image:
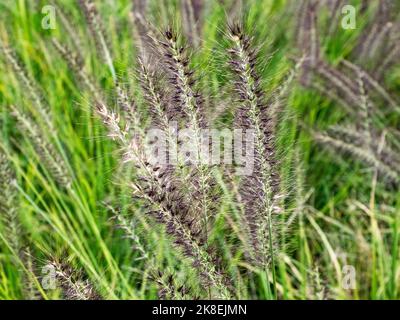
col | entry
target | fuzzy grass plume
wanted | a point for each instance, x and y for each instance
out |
(260, 190)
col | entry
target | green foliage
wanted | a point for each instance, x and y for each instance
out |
(72, 196)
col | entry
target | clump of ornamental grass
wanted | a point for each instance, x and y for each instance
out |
(153, 185)
(181, 195)
(155, 188)
(156, 184)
